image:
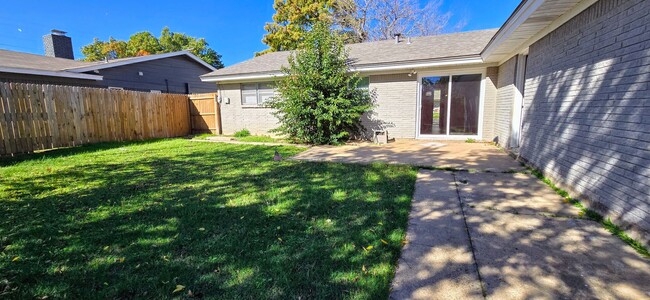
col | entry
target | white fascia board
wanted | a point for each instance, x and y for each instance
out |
(409, 66)
(64, 74)
(241, 77)
(360, 69)
(515, 20)
(140, 59)
(523, 48)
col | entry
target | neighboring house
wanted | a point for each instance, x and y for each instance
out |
(175, 72)
(565, 84)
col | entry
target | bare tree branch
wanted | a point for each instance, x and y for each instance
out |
(373, 20)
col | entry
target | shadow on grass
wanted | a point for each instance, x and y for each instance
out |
(134, 220)
(70, 151)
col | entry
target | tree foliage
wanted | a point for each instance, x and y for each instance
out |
(145, 43)
(318, 101)
(292, 20)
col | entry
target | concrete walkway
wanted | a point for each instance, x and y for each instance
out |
(509, 236)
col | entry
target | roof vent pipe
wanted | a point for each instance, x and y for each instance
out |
(397, 35)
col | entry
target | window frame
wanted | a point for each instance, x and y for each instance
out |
(364, 83)
(263, 91)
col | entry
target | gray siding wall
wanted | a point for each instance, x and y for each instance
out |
(395, 97)
(505, 98)
(178, 70)
(587, 109)
(235, 116)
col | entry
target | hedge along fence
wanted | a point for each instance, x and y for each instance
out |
(37, 117)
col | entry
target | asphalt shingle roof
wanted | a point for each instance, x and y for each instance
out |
(423, 48)
(13, 59)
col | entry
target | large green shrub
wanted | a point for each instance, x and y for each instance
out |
(318, 101)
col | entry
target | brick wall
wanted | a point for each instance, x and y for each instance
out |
(235, 117)
(396, 104)
(505, 98)
(587, 109)
(489, 103)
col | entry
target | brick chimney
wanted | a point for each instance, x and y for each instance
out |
(57, 44)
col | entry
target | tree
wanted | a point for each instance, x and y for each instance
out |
(355, 20)
(145, 43)
(100, 50)
(142, 43)
(292, 20)
(318, 100)
(372, 20)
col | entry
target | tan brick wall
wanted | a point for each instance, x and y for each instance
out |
(396, 104)
(235, 117)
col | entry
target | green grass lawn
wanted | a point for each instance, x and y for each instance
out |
(250, 138)
(258, 139)
(139, 220)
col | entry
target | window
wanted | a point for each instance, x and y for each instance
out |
(256, 93)
(449, 105)
(364, 83)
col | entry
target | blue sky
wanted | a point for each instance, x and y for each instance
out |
(233, 28)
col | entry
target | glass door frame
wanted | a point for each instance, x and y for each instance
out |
(448, 73)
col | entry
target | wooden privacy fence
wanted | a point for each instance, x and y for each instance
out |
(37, 117)
(205, 113)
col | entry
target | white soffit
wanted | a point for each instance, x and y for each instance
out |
(532, 20)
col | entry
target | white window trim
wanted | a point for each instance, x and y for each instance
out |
(451, 72)
(258, 98)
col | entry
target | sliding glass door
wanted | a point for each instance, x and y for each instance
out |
(449, 105)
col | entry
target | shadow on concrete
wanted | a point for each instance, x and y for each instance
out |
(526, 243)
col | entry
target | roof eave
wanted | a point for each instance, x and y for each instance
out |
(392, 66)
(494, 50)
(518, 17)
(63, 74)
(140, 59)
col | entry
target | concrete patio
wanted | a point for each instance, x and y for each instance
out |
(421, 153)
(493, 233)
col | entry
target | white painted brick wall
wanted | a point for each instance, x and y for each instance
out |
(505, 98)
(587, 109)
(395, 96)
(396, 103)
(235, 117)
(490, 110)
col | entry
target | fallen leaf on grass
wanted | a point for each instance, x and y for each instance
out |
(385, 242)
(16, 258)
(178, 288)
(367, 248)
